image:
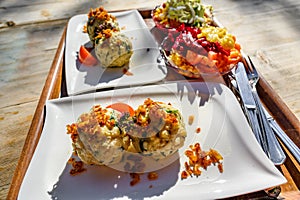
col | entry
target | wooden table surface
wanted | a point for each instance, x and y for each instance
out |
(269, 31)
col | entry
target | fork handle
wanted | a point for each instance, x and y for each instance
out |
(276, 153)
(294, 149)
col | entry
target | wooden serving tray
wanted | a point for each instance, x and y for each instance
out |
(55, 87)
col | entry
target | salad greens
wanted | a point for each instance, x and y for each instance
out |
(187, 11)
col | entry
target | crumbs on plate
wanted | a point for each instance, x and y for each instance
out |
(197, 159)
(198, 130)
(191, 119)
(136, 178)
(77, 167)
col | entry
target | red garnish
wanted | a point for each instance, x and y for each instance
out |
(85, 57)
(122, 107)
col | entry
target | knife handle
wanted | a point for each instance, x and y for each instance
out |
(276, 153)
(253, 120)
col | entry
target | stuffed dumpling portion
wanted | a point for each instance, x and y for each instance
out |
(114, 50)
(106, 136)
(99, 140)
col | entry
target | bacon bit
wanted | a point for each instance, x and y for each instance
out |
(84, 30)
(152, 176)
(184, 175)
(101, 14)
(135, 179)
(198, 130)
(200, 159)
(148, 102)
(107, 33)
(171, 118)
(99, 36)
(75, 153)
(101, 117)
(150, 186)
(77, 167)
(196, 171)
(72, 129)
(188, 169)
(220, 167)
(191, 119)
(71, 160)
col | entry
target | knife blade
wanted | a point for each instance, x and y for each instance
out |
(249, 104)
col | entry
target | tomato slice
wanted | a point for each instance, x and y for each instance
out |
(86, 58)
(122, 107)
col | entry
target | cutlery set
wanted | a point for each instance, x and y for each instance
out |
(264, 127)
(243, 81)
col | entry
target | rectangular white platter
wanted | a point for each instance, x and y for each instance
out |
(143, 66)
(223, 128)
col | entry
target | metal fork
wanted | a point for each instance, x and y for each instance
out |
(294, 149)
(276, 154)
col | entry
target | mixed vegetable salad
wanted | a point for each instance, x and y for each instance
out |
(193, 44)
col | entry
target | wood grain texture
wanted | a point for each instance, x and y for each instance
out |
(50, 10)
(23, 73)
(267, 30)
(51, 90)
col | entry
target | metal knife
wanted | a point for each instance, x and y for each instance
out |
(249, 104)
(293, 148)
(276, 153)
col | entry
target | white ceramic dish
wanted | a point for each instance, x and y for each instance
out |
(143, 66)
(216, 112)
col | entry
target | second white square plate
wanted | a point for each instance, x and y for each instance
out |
(144, 67)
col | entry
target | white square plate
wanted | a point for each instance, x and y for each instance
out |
(143, 67)
(223, 128)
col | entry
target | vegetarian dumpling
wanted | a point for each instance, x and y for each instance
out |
(99, 140)
(104, 136)
(112, 48)
(114, 51)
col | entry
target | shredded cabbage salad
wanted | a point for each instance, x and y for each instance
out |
(187, 11)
